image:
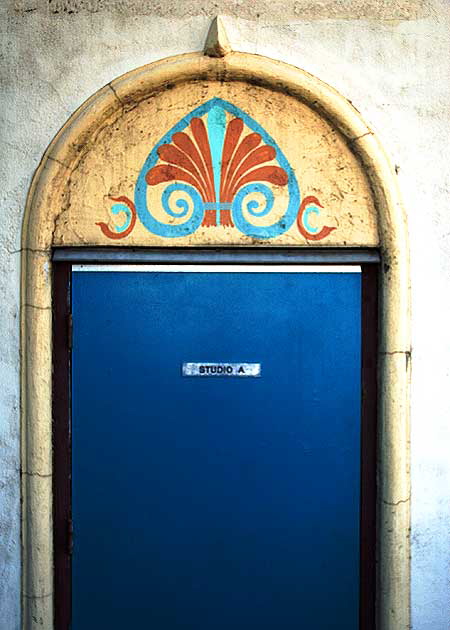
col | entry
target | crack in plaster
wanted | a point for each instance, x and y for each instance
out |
(27, 249)
(368, 133)
(39, 308)
(76, 163)
(45, 596)
(396, 503)
(407, 352)
(36, 474)
(50, 157)
(122, 104)
(64, 208)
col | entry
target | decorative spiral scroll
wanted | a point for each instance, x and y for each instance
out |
(170, 202)
(258, 209)
(183, 204)
(253, 206)
(118, 209)
(310, 205)
(126, 207)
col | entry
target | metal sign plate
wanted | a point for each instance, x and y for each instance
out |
(222, 369)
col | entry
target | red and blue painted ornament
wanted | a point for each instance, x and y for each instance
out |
(213, 165)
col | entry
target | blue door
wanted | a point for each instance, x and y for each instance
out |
(216, 502)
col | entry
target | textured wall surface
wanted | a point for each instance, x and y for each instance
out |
(391, 59)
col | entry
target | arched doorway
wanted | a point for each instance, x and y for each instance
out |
(335, 191)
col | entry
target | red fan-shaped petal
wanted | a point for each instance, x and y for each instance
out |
(232, 135)
(272, 174)
(168, 173)
(249, 143)
(173, 155)
(201, 138)
(184, 142)
(260, 155)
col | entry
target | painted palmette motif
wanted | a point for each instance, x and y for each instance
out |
(216, 167)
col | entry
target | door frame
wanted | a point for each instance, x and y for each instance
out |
(46, 224)
(65, 258)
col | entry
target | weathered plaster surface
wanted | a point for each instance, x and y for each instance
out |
(392, 60)
(272, 10)
(109, 165)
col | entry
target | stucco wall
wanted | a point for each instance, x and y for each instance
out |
(391, 59)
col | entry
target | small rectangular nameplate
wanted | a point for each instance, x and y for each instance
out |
(221, 369)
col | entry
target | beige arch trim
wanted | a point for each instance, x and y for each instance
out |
(47, 197)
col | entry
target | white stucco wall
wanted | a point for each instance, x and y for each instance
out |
(391, 59)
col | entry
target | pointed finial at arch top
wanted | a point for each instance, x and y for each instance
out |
(217, 43)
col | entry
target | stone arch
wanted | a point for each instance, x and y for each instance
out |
(47, 223)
